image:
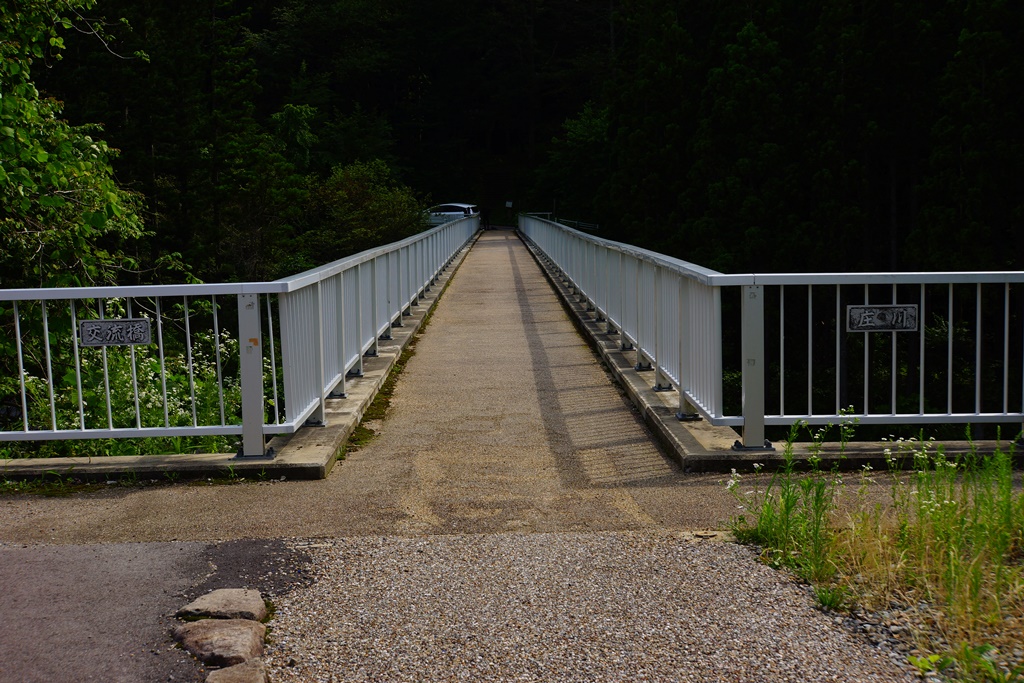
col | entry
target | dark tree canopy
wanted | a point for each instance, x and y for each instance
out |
(770, 136)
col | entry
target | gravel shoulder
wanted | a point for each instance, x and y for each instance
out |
(603, 606)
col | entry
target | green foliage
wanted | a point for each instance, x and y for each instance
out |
(792, 515)
(63, 218)
(951, 537)
(123, 387)
(974, 663)
(578, 164)
(831, 597)
(357, 207)
(928, 663)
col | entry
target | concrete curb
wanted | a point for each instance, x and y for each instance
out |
(701, 447)
(309, 453)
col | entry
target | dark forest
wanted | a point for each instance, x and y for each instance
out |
(253, 140)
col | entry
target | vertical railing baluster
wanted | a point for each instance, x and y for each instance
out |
(782, 349)
(867, 352)
(273, 358)
(163, 369)
(49, 371)
(341, 390)
(21, 365)
(977, 351)
(1006, 347)
(135, 371)
(357, 369)
(840, 329)
(810, 349)
(892, 371)
(374, 320)
(106, 373)
(949, 354)
(216, 355)
(78, 367)
(188, 359)
(922, 328)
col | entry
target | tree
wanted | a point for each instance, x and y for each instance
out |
(63, 217)
(359, 206)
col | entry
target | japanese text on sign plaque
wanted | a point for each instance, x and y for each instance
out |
(115, 332)
(892, 318)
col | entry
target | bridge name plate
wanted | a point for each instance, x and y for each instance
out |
(115, 332)
(891, 318)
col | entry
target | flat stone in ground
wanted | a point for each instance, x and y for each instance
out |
(222, 642)
(247, 672)
(227, 603)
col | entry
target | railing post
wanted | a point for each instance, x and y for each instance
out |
(661, 381)
(374, 319)
(752, 342)
(684, 335)
(251, 366)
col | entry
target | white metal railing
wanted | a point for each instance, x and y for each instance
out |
(795, 358)
(200, 375)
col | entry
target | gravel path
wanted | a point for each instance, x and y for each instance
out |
(637, 606)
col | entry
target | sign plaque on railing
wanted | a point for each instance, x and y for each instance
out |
(888, 318)
(115, 332)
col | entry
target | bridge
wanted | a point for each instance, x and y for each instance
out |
(270, 364)
(513, 519)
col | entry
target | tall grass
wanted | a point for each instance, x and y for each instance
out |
(950, 536)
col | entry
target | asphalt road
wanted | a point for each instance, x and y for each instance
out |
(103, 612)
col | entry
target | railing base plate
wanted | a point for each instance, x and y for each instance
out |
(267, 455)
(738, 446)
(689, 417)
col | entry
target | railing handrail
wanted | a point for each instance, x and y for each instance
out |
(715, 278)
(283, 285)
(308, 277)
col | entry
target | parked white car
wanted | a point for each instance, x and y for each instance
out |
(446, 213)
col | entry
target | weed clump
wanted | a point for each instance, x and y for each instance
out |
(948, 544)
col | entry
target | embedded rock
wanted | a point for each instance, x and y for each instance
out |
(249, 672)
(227, 603)
(222, 642)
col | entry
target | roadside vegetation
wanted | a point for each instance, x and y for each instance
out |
(945, 552)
